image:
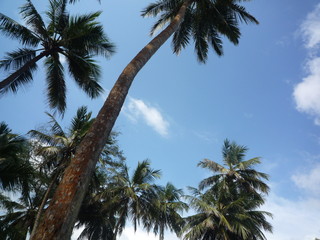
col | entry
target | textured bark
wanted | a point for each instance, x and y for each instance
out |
(44, 200)
(60, 216)
(9, 80)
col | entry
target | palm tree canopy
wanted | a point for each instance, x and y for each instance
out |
(165, 214)
(133, 195)
(235, 169)
(218, 219)
(229, 206)
(205, 21)
(15, 168)
(76, 38)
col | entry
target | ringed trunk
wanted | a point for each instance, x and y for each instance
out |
(60, 216)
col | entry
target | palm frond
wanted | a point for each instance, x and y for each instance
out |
(56, 129)
(56, 83)
(16, 59)
(58, 16)
(181, 37)
(14, 30)
(243, 15)
(42, 137)
(33, 19)
(22, 79)
(82, 121)
(86, 73)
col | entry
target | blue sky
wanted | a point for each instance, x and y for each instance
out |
(263, 93)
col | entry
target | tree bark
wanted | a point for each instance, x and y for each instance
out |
(60, 216)
(43, 202)
(9, 80)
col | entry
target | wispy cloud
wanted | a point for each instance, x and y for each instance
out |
(137, 109)
(310, 29)
(293, 220)
(297, 218)
(307, 93)
(309, 181)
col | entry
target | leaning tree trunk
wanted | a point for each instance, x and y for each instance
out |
(4, 84)
(59, 218)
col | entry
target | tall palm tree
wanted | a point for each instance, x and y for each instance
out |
(203, 20)
(57, 146)
(235, 170)
(166, 211)
(219, 219)
(134, 195)
(229, 207)
(52, 148)
(77, 39)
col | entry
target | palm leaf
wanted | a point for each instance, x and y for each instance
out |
(56, 128)
(56, 83)
(86, 73)
(58, 17)
(21, 80)
(16, 59)
(33, 19)
(15, 30)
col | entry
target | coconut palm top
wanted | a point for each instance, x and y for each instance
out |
(205, 21)
(77, 38)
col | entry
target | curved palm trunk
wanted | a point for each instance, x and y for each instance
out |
(9, 80)
(60, 216)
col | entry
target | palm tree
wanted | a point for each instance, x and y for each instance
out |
(219, 219)
(77, 39)
(203, 20)
(18, 220)
(15, 168)
(98, 212)
(228, 209)
(235, 170)
(57, 146)
(133, 195)
(166, 209)
(52, 148)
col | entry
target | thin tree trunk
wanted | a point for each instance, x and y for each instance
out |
(60, 216)
(43, 202)
(9, 80)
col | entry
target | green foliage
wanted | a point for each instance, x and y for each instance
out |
(205, 21)
(229, 206)
(78, 39)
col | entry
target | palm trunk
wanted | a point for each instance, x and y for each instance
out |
(43, 202)
(60, 216)
(9, 80)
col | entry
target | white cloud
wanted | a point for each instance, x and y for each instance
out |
(293, 220)
(307, 93)
(137, 109)
(310, 29)
(298, 218)
(309, 181)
